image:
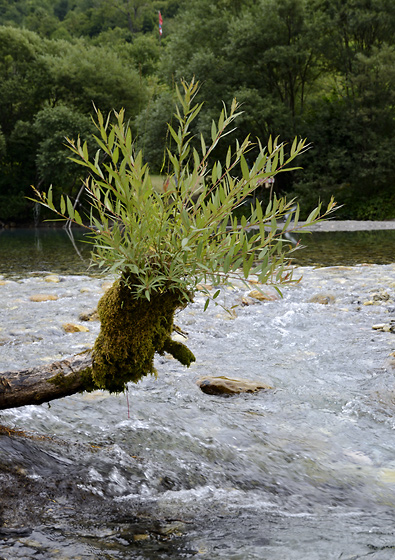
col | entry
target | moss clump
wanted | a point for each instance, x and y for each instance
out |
(67, 382)
(179, 351)
(132, 330)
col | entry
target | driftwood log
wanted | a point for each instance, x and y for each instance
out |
(46, 383)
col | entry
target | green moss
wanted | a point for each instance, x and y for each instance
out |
(132, 330)
(65, 382)
(60, 380)
(179, 351)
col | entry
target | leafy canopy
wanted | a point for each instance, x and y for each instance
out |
(178, 236)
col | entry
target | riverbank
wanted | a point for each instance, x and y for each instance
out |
(328, 225)
(352, 225)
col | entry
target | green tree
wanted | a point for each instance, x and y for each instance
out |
(52, 126)
(83, 74)
(352, 121)
(48, 90)
(132, 11)
(152, 128)
(24, 80)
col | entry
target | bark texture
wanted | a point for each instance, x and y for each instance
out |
(46, 383)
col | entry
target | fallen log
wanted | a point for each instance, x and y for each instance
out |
(45, 383)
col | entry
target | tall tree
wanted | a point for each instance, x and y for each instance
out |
(352, 119)
(47, 91)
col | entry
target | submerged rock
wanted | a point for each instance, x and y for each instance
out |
(43, 297)
(89, 315)
(380, 296)
(385, 327)
(255, 296)
(323, 299)
(226, 386)
(267, 295)
(73, 328)
(52, 278)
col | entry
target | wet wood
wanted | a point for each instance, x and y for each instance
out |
(45, 383)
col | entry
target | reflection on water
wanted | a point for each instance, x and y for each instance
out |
(38, 250)
(346, 248)
(23, 251)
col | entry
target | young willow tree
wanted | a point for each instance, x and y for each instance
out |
(165, 244)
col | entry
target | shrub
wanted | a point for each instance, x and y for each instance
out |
(164, 242)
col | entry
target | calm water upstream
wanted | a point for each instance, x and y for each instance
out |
(304, 471)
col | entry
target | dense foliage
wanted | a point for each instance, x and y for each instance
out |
(321, 69)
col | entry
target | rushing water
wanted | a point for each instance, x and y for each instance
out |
(303, 471)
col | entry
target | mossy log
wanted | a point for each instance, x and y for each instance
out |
(45, 383)
(132, 331)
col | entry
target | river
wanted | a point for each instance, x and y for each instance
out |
(303, 471)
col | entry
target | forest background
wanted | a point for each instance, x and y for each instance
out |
(320, 69)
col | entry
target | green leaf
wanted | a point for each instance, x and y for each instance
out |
(203, 144)
(196, 158)
(49, 198)
(115, 155)
(62, 205)
(312, 216)
(185, 218)
(247, 264)
(199, 250)
(213, 131)
(244, 168)
(214, 175)
(111, 139)
(228, 157)
(226, 265)
(293, 147)
(77, 218)
(70, 209)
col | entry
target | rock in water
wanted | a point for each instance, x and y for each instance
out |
(73, 328)
(226, 386)
(323, 299)
(43, 297)
(264, 296)
(89, 315)
(52, 278)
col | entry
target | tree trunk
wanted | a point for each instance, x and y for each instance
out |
(46, 383)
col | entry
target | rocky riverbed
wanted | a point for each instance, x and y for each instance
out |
(168, 471)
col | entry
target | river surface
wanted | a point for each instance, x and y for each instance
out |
(25, 250)
(303, 471)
